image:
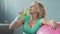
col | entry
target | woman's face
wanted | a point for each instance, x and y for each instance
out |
(33, 9)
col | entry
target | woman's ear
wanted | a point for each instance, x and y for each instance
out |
(40, 15)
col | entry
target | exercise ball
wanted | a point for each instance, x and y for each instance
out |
(46, 29)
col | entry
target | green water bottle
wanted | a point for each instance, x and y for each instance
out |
(24, 13)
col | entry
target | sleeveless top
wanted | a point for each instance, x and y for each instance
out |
(27, 30)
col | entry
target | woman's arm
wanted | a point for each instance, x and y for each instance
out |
(49, 22)
(15, 23)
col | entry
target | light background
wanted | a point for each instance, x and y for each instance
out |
(9, 9)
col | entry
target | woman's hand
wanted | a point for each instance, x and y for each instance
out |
(53, 24)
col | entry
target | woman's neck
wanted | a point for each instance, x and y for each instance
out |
(33, 16)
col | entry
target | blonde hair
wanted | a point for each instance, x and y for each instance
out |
(41, 10)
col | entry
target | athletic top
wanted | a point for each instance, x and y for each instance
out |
(32, 30)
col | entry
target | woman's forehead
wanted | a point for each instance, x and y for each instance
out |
(32, 5)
